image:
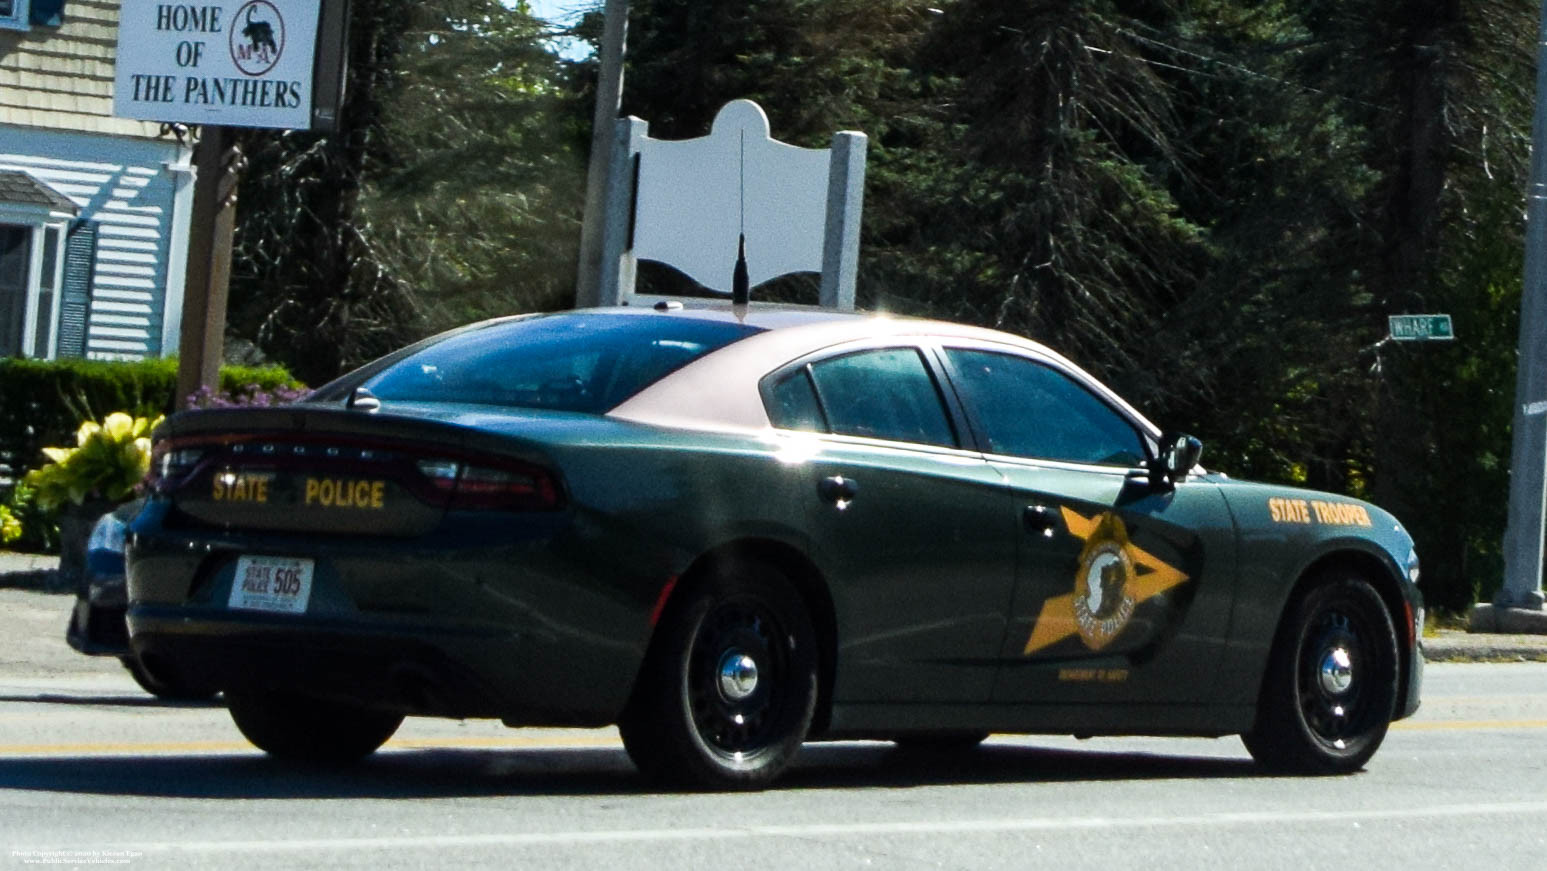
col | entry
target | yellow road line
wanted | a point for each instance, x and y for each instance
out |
(1466, 725)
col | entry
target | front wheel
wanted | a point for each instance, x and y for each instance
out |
(729, 688)
(303, 729)
(1331, 686)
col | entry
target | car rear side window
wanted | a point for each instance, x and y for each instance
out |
(573, 361)
(793, 404)
(1028, 409)
(882, 394)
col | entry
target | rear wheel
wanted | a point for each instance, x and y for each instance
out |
(303, 729)
(729, 687)
(1331, 686)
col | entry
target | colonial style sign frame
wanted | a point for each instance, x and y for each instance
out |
(691, 204)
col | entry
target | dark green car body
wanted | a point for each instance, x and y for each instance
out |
(952, 587)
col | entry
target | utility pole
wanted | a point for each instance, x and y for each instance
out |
(1522, 591)
(609, 102)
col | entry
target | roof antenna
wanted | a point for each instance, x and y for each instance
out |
(741, 292)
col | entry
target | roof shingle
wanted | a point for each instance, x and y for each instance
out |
(20, 188)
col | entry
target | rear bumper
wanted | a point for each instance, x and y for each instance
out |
(97, 621)
(97, 630)
(411, 669)
(487, 617)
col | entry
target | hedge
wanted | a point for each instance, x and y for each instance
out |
(42, 402)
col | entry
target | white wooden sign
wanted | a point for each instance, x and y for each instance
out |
(697, 196)
(687, 203)
(238, 63)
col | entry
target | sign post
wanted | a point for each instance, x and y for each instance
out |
(609, 101)
(1523, 545)
(222, 64)
(201, 341)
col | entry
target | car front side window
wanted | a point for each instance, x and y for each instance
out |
(1029, 409)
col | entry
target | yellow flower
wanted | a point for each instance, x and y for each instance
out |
(110, 460)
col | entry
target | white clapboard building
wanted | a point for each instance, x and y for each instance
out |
(94, 209)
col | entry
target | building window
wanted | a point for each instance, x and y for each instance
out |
(13, 14)
(31, 267)
(15, 270)
(34, 219)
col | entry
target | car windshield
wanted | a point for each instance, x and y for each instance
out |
(568, 361)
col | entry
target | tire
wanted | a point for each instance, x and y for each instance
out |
(302, 729)
(1331, 686)
(728, 690)
(163, 687)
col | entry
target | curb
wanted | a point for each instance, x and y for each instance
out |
(1454, 646)
(31, 571)
(38, 581)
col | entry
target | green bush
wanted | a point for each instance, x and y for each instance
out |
(39, 526)
(42, 402)
(10, 527)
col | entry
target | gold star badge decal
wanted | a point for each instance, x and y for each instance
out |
(1115, 576)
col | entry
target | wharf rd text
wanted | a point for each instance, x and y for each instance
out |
(188, 19)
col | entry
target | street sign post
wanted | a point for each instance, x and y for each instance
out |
(1421, 328)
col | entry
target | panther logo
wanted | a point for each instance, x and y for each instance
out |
(260, 34)
(257, 45)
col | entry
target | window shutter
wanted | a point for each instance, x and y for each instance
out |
(47, 13)
(80, 258)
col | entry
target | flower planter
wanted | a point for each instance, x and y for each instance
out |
(75, 525)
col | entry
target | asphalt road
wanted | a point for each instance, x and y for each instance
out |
(94, 772)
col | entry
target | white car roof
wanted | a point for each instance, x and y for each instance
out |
(720, 390)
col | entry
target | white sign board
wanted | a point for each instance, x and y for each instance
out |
(238, 63)
(697, 195)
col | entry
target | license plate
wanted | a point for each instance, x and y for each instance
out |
(272, 583)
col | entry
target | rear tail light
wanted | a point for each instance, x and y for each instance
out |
(509, 487)
(442, 474)
(171, 463)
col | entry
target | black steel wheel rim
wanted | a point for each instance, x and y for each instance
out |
(738, 719)
(1335, 677)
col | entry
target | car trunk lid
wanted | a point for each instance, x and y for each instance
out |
(327, 470)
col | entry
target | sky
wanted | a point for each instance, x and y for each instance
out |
(560, 11)
(564, 12)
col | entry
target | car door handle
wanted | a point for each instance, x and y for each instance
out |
(838, 490)
(1040, 520)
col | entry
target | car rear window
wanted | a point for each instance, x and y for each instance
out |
(568, 361)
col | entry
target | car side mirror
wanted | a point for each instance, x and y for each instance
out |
(1179, 453)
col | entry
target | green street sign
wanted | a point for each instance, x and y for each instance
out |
(1421, 328)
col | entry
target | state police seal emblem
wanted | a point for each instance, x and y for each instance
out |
(1103, 590)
